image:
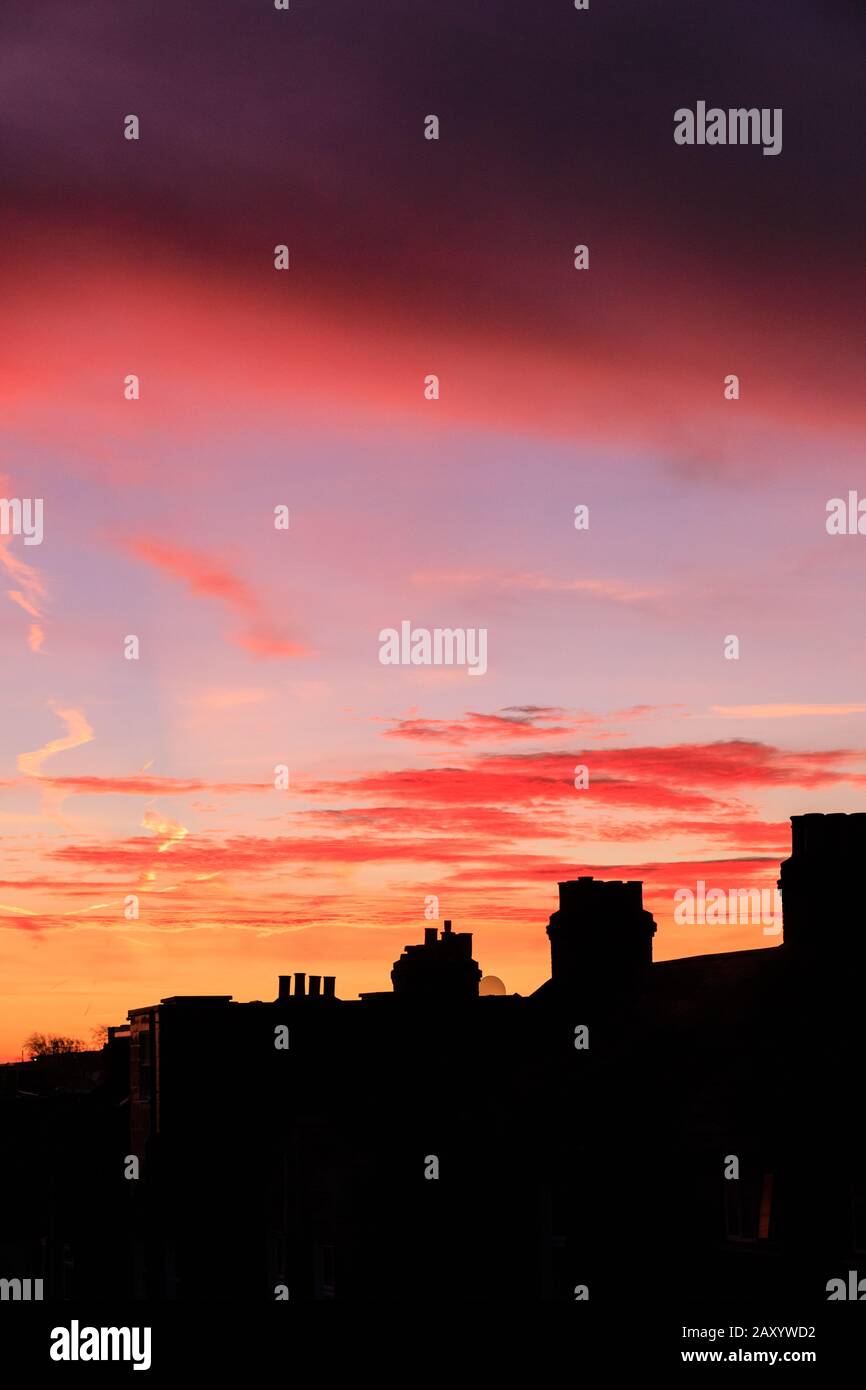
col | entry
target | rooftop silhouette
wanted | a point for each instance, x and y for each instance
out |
(579, 1133)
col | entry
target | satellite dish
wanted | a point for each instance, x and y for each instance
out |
(491, 984)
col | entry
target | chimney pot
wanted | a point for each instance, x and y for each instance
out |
(430, 935)
(285, 988)
(447, 930)
(315, 985)
(328, 982)
(300, 977)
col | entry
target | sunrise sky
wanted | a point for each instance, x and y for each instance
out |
(306, 388)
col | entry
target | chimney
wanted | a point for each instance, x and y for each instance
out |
(820, 886)
(300, 977)
(440, 971)
(285, 988)
(328, 982)
(601, 931)
(315, 986)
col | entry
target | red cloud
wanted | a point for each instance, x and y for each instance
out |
(685, 778)
(521, 780)
(517, 722)
(663, 877)
(249, 853)
(483, 823)
(731, 762)
(150, 786)
(497, 826)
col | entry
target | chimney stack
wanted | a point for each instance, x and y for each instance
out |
(820, 886)
(442, 970)
(601, 931)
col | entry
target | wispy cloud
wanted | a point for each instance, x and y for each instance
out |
(168, 832)
(515, 723)
(30, 593)
(78, 732)
(529, 722)
(612, 590)
(208, 577)
(783, 711)
(142, 785)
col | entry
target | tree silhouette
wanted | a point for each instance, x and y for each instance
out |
(38, 1045)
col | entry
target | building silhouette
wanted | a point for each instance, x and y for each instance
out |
(600, 933)
(580, 1134)
(441, 969)
(820, 889)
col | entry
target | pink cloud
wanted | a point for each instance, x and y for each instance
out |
(612, 590)
(31, 593)
(206, 577)
(782, 711)
(528, 722)
(514, 723)
(150, 786)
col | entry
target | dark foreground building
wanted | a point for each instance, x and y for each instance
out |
(426, 1142)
